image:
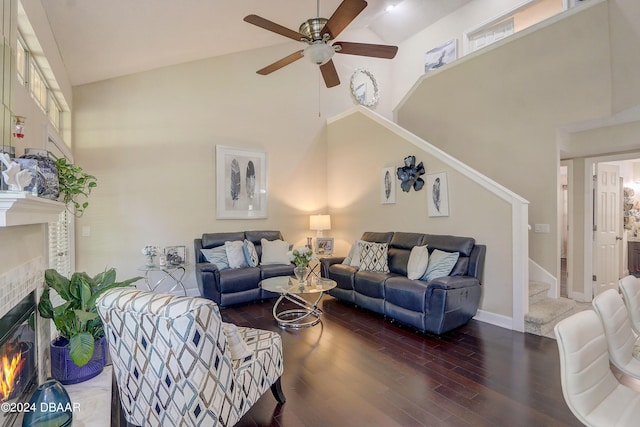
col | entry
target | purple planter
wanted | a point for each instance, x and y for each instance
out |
(64, 370)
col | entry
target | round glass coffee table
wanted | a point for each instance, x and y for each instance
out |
(306, 313)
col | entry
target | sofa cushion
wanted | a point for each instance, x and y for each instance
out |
(235, 254)
(343, 275)
(418, 262)
(217, 256)
(440, 264)
(376, 237)
(250, 253)
(446, 243)
(405, 293)
(370, 283)
(400, 249)
(211, 240)
(275, 270)
(374, 256)
(274, 252)
(239, 279)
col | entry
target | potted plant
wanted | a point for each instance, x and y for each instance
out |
(74, 182)
(73, 358)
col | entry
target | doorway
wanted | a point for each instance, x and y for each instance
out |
(613, 255)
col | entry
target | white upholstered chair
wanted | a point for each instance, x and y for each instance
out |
(630, 288)
(617, 327)
(173, 362)
(590, 389)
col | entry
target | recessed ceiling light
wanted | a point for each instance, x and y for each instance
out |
(390, 8)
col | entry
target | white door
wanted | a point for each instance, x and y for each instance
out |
(608, 216)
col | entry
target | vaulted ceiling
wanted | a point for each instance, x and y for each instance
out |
(101, 39)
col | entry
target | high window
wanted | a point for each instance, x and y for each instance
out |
(30, 75)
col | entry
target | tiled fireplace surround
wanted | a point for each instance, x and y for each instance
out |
(93, 397)
(16, 284)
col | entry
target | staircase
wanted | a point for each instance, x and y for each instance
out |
(545, 312)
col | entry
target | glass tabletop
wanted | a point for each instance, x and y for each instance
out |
(289, 284)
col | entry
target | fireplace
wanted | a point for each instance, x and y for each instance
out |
(18, 359)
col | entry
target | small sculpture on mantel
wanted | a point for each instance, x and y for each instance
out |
(15, 178)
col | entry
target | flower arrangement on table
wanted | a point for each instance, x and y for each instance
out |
(302, 256)
(150, 251)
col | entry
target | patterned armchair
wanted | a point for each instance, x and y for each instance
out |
(173, 362)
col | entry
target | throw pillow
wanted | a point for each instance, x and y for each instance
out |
(250, 253)
(353, 258)
(374, 256)
(239, 349)
(440, 264)
(217, 256)
(418, 262)
(235, 254)
(274, 252)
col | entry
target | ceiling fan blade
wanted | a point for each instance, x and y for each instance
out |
(344, 14)
(329, 74)
(272, 26)
(365, 49)
(281, 63)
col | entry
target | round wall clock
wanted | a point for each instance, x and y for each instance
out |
(364, 87)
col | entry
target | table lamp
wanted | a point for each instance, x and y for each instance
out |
(320, 223)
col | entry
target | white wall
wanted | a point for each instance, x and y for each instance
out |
(359, 148)
(499, 109)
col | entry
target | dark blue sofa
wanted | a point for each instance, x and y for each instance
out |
(437, 306)
(239, 285)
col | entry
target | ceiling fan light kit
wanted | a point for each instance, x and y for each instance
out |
(318, 33)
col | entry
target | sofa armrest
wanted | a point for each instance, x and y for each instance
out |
(453, 282)
(208, 278)
(327, 262)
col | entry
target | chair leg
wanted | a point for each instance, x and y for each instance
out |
(276, 389)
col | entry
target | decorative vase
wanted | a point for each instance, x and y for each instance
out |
(301, 273)
(150, 262)
(51, 406)
(47, 177)
(66, 371)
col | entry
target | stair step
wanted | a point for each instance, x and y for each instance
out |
(537, 292)
(544, 315)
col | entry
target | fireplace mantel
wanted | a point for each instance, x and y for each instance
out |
(24, 209)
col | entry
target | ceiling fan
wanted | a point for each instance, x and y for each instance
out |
(319, 34)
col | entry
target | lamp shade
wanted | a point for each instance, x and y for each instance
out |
(320, 222)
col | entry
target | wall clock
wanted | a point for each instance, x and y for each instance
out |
(364, 87)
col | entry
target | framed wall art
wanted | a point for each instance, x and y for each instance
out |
(441, 55)
(175, 255)
(438, 194)
(324, 246)
(388, 186)
(241, 183)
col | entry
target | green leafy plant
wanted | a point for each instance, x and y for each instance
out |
(74, 183)
(77, 318)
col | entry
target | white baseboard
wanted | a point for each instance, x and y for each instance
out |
(579, 296)
(495, 319)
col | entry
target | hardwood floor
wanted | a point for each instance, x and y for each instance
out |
(358, 369)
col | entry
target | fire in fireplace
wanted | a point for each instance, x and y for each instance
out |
(18, 357)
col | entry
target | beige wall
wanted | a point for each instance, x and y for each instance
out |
(498, 110)
(624, 22)
(359, 148)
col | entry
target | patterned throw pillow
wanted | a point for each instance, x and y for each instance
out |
(217, 256)
(374, 256)
(235, 254)
(239, 349)
(440, 264)
(250, 253)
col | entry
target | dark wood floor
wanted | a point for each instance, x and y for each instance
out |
(358, 369)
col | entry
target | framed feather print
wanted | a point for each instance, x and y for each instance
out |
(438, 194)
(241, 183)
(388, 186)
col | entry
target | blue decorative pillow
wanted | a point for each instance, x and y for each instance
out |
(440, 264)
(250, 253)
(217, 256)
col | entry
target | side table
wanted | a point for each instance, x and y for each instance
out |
(173, 272)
